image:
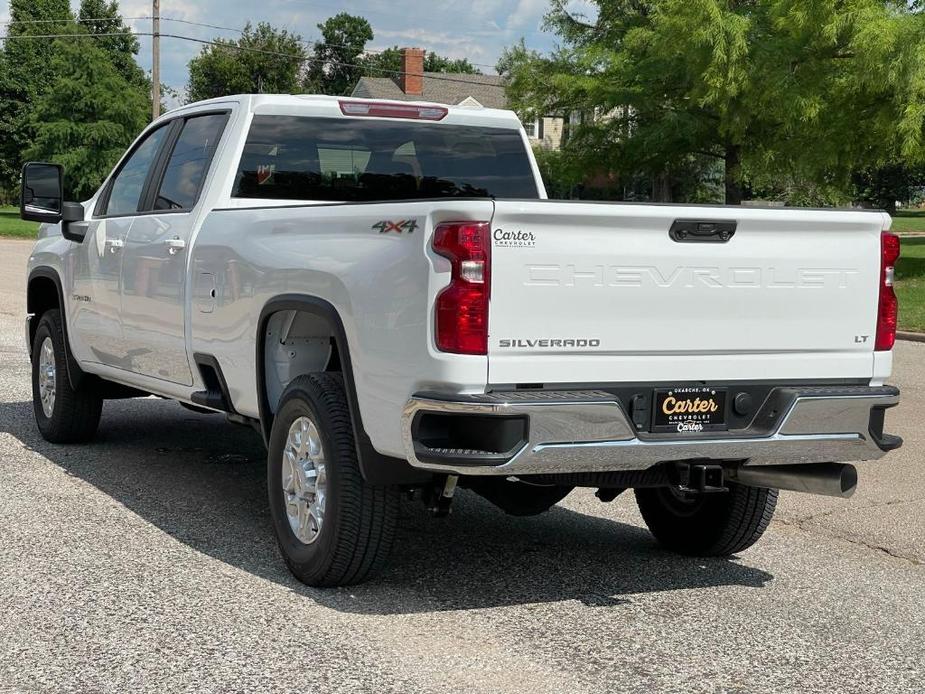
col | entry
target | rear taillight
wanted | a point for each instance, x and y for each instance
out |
(888, 306)
(462, 307)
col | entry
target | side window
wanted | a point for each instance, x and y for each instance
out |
(189, 162)
(126, 188)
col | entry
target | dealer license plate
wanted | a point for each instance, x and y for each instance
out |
(689, 409)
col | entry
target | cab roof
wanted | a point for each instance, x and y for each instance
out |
(325, 106)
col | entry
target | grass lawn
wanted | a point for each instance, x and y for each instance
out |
(910, 284)
(12, 226)
(912, 220)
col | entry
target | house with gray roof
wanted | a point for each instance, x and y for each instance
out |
(413, 84)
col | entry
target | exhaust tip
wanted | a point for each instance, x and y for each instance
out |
(828, 479)
(848, 480)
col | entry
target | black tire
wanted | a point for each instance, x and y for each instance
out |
(359, 519)
(707, 525)
(75, 414)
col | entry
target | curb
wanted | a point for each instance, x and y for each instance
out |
(911, 337)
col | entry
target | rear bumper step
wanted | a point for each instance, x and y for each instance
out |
(554, 432)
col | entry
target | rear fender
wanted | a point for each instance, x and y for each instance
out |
(376, 468)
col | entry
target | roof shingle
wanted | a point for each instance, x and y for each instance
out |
(442, 88)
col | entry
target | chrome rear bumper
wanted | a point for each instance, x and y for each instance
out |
(589, 431)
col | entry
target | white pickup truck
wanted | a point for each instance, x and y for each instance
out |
(383, 291)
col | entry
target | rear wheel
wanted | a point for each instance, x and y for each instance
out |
(707, 524)
(63, 414)
(333, 528)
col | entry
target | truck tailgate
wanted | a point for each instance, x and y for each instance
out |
(597, 293)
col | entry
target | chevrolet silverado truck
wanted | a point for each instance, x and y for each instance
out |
(385, 293)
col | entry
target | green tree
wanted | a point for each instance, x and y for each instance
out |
(88, 115)
(884, 186)
(793, 89)
(434, 62)
(102, 20)
(25, 72)
(387, 63)
(561, 176)
(335, 65)
(263, 60)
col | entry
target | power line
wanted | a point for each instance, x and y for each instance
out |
(73, 35)
(100, 20)
(203, 24)
(308, 59)
(247, 49)
(90, 20)
(307, 42)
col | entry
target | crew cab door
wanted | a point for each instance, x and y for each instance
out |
(155, 262)
(95, 300)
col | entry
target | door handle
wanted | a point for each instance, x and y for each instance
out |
(115, 245)
(175, 245)
(702, 230)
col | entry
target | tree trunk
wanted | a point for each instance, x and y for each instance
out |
(661, 187)
(734, 192)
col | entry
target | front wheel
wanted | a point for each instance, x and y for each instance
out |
(63, 414)
(707, 525)
(333, 528)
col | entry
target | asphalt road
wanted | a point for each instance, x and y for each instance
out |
(145, 562)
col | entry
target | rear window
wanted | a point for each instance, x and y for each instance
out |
(349, 160)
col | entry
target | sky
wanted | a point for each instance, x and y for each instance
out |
(475, 29)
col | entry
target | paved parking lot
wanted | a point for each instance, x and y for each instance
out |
(145, 562)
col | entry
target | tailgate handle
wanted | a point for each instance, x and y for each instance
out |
(702, 230)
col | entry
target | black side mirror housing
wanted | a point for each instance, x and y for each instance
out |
(73, 212)
(41, 199)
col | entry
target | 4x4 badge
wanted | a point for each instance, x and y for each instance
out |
(385, 226)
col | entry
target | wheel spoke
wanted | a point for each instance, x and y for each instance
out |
(303, 437)
(314, 442)
(289, 473)
(307, 523)
(317, 518)
(292, 510)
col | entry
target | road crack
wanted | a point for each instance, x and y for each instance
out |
(864, 507)
(802, 525)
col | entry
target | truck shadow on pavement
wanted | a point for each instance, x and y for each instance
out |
(202, 481)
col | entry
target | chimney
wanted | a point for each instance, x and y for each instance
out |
(411, 79)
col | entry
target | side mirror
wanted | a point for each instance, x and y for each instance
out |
(42, 193)
(42, 199)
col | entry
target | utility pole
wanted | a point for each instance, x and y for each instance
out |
(156, 59)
